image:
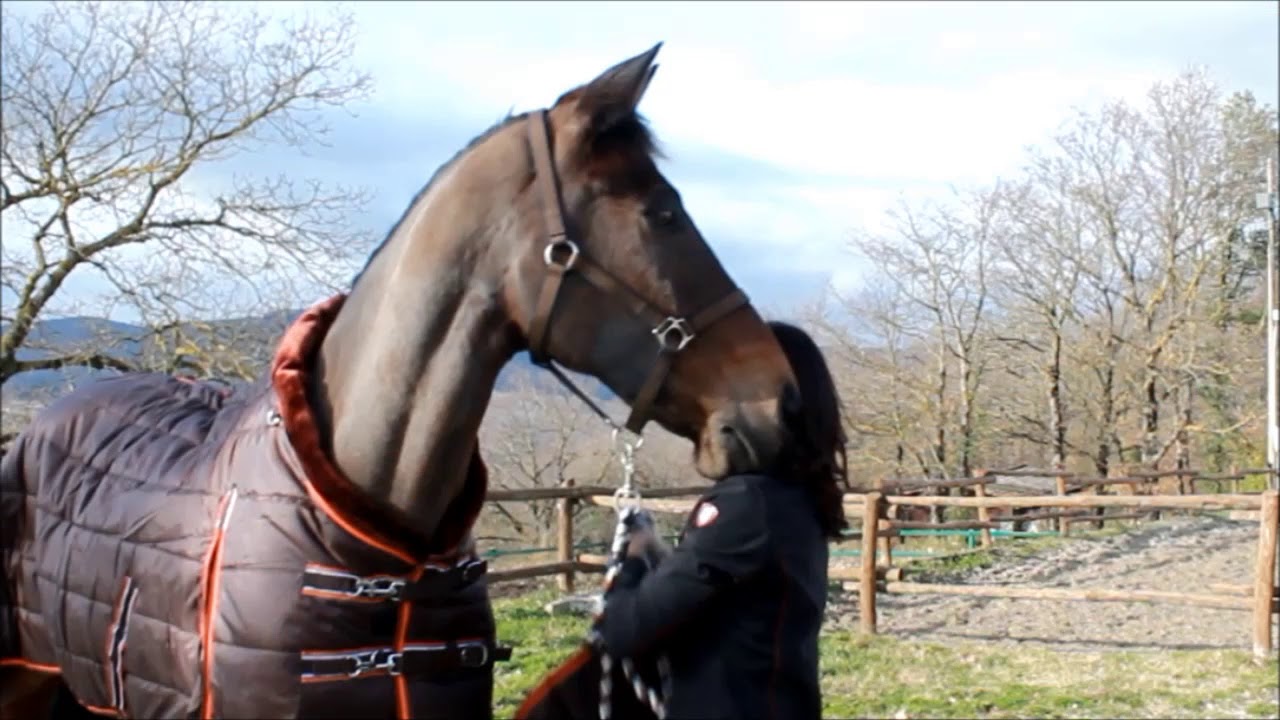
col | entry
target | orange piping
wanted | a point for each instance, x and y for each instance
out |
(539, 693)
(109, 670)
(337, 518)
(212, 575)
(403, 705)
(31, 665)
(110, 712)
(343, 677)
(335, 595)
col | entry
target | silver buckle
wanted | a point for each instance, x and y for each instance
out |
(473, 655)
(548, 253)
(379, 587)
(673, 325)
(388, 660)
(472, 570)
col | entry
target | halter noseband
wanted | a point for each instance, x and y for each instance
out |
(562, 255)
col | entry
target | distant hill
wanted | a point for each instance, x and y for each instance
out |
(124, 340)
(62, 335)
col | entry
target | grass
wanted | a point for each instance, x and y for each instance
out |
(884, 677)
(887, 677)
(539, 643)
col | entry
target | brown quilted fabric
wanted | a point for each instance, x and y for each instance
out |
(157, 538)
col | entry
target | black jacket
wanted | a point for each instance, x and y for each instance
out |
(737, 607)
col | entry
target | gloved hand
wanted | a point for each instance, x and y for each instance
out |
(648, 545)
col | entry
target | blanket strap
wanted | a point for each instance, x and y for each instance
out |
(417, 659)
(437, 582)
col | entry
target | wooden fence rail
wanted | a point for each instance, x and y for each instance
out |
(875, 510)
(1261, 599)
(1199, 502)
(986, 477)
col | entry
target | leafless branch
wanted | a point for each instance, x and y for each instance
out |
(116, 121)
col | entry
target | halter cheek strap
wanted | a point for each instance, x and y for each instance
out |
(562, 256)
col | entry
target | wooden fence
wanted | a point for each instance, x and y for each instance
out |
(1260, 598)
(878, 509)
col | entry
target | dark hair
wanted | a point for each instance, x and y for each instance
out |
(816, 458)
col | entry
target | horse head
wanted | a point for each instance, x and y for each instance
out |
(610, 276)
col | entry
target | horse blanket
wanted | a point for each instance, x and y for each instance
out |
(572, 691)
(177, 551)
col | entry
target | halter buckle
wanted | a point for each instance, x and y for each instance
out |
(565, 244)
(679, 327)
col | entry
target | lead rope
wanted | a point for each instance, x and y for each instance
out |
(631, 518)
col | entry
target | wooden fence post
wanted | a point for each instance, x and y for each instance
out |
(1264, 572)
(1151, 486)
(1060, 488)
(564, 541)
(884, 544)
(1183, 479)
(867, 580)
(984, 512)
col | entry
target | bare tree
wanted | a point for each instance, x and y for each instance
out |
(116, 118)
(18, 412)
(873, 339)
(536, 435)
(1167, 200)
(1037, 280)
(941, 260)
(1222, 355)
(1113, 287)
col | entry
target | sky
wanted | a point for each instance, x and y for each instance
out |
(787, 126)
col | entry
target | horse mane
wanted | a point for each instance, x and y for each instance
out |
(614, 150)
(472, 144)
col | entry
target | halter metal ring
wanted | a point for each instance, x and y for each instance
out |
(563, 243)
(625, 493)
(677, 326)
(627, 444)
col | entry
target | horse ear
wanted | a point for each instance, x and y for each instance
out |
(617, 91)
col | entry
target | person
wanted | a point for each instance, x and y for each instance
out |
(737, 606)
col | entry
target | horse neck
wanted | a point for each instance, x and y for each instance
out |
(407, 370)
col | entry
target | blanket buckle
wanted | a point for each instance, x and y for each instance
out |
(388, 660)
(379, 587)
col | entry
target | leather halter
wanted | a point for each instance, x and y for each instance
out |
(562, 256)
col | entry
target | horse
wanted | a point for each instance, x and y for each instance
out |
(303, 547)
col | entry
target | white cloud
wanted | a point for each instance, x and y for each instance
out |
(853, 103)
(853, 126)
(221, 271)
(846, 126)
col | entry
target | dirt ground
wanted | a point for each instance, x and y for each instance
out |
(1181, 554)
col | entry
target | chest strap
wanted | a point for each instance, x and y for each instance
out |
(437, 582)
(417, 659)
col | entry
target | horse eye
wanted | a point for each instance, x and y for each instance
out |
(666, 217)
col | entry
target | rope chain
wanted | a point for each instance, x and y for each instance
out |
(631, 517)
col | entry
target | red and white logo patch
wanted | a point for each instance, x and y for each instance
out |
(707, 514)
